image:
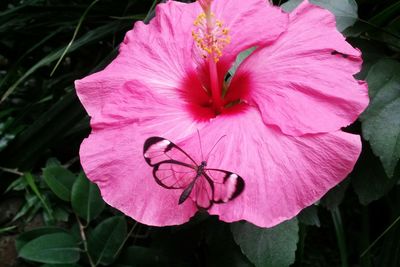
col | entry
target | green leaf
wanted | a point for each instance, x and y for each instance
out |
(239, 59)
(51, 248)
(7, 229)
(380, 122)
(86, 199)
(106, 239)
(60, 181)
(369, 179)
(89, 37)
(25, 237)
(386, 15)
(272, 247)
(345, 11)
(61, 214)
(290, 5)
(31, 182)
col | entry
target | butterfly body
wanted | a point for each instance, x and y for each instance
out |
(188, 190)
(173, 168)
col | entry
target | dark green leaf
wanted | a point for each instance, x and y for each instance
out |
(272, 247)
(386, 15)
(345, 11)
(91, 36)
(25, 237)
(106, 239)
(86, 199)
(7, 229)
(54, 248)
(31, 182)
(369, 179)
(60, 214)
(380, 122)
(60, 181)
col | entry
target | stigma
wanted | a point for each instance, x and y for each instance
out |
(210, 35)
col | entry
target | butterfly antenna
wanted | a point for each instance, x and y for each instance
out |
(201, 147)
(216, 143)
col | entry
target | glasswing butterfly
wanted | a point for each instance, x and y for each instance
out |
(173, 168)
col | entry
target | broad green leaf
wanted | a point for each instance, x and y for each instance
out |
(106, 239)
(272, 247)
(345, 11)
(54, 248)
(60, 181)
(25, 237)
(86, 199)
(371, 53)
(369, 179)
(380, 122)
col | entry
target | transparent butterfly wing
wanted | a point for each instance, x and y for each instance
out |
(226, 185)
(173, 174)
(203, 193)
(173, 168)
(157, 149)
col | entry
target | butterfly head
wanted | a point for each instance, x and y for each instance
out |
(204, 163)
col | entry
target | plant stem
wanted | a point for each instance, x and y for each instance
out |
(337, 221)
(84, 241)
(13, 171)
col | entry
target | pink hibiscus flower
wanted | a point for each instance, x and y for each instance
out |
(281, 112)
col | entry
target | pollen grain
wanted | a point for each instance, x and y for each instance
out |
(210, 36)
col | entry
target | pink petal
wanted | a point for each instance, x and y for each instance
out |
(283, 174)
(158, 55)
(300, 83)
(112, 156)
(250, 23)
(113, 159)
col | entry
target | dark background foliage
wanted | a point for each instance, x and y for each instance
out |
(51, 215)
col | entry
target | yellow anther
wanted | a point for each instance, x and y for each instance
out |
(210, 35)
